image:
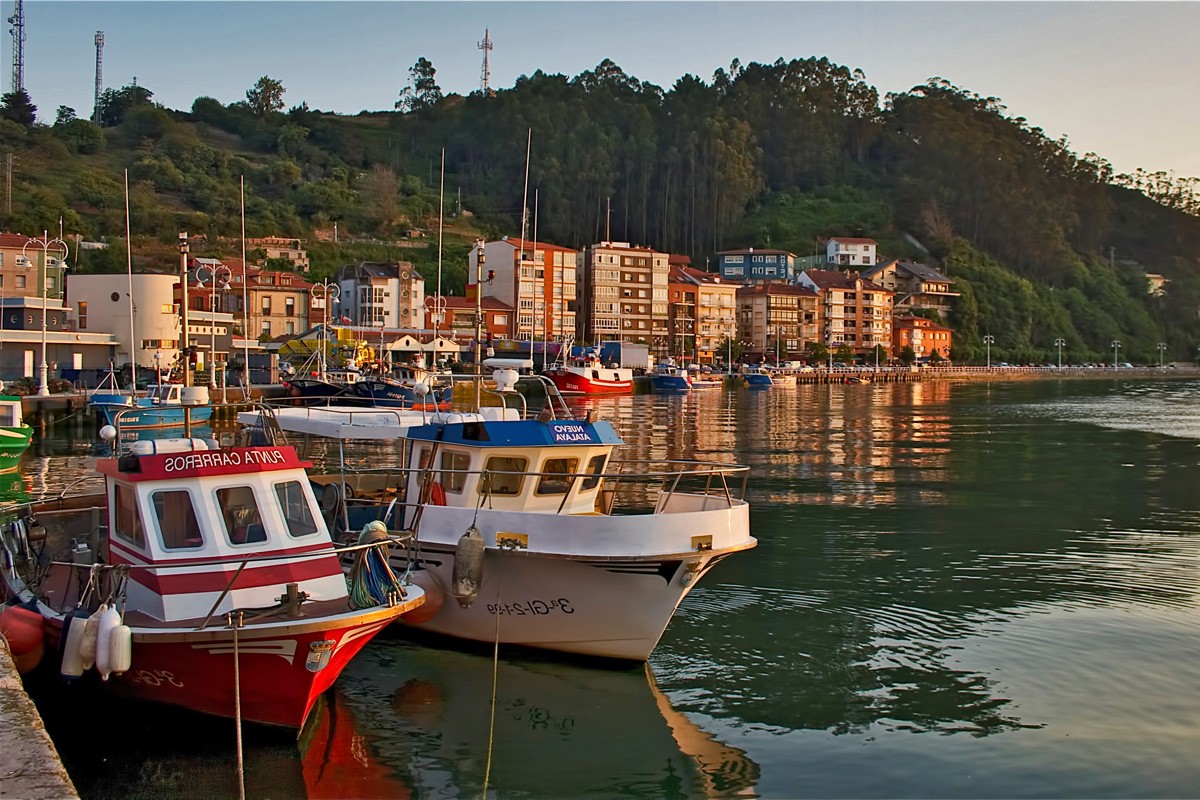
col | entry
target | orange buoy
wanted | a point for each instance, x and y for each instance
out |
(434, 598)
(25, 631)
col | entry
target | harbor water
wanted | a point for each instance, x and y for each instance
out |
(961, 589)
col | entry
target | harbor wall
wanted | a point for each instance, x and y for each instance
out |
(29, 763)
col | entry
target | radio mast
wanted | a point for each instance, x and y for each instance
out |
(17, 20)
(99, 76)
(486, 47)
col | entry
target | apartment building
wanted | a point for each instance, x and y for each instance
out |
(31, 266)
(853, 311)
(459, 316)
(537, 280)
(703, 306)
(623, 294)
(277, 302)
(388, 295)
(775, 320)
(756, 264)
(917, 286)
(924, 336)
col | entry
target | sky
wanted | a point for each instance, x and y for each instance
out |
(1119, 79)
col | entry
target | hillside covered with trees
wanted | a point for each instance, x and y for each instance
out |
(1041, 242)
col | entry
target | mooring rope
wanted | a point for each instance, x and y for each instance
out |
(237, 707)
(495, 675)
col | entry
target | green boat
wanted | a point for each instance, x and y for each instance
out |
(14, 434)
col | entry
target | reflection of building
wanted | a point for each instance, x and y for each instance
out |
(924, 336)
(917, 286)
(854, 311)
(536, 279)
(623, 294)
(776, 319)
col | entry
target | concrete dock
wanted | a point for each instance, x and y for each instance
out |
(30, 768)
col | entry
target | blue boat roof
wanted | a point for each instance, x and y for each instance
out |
(518, 433)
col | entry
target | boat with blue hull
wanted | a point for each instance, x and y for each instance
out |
(668, 378)
(400, 390)
(160, 407)
(757, 378)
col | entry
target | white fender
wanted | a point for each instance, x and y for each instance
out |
(120, 649)
(72, 661)
(109, 619)
(87, 646)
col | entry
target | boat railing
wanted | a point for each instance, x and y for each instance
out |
(639, 486)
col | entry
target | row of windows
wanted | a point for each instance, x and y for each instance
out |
(179, 528)
(505, 475)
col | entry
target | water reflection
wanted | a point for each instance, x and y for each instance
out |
(424, 717)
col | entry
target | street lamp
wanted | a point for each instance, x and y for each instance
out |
(1116, 345)
(220, 276)
(1162, 346)
(46, 244)
(328, 294)
(1059, 342)
(988, 341)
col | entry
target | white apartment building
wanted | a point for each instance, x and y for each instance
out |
(537, 279)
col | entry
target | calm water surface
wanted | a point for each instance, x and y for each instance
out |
(960, 590)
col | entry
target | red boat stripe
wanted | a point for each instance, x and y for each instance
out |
(269, 574)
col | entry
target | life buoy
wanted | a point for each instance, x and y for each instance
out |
(437, 495)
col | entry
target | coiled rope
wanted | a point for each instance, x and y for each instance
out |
(371, 577)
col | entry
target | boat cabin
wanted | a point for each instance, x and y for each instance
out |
(10, 411)
(164, 394)
(526, 465)
(186, 515)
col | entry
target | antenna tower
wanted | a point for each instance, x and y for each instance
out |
(486, 47)
(99, 76)
(17, 20)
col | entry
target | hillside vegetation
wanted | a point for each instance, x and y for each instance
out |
(1043, 243)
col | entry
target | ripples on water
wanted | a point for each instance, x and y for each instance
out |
(960, 590)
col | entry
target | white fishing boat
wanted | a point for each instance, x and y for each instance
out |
(528, 531)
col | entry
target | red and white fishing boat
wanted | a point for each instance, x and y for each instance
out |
(202, 577)
(587, 375)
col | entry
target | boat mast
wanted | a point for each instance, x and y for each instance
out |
(185, 345)
(133, 348)
(245, 299)
(479, 262)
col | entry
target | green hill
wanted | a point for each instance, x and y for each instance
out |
(1042, 243)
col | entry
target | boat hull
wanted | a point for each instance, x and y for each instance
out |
(283, 667)
(149, 416)
(669, 384)
(396, 395)
(14, 441)
(566, 592)
(574, 383)
(758, 381)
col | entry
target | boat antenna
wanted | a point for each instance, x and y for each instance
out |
(245, 300)
(129, 266)
(525, 243)
(439, 304)
(185, 341)
(479, 273)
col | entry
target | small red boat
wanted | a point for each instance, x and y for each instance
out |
(202, 577)
(588, 376)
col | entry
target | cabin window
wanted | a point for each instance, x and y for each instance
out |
(503, 484)
(178, 528)
(557, 475)
(595, 468)
(239, 510)
(8, 416)
(297, 513)
(129, 523)
(459, 462)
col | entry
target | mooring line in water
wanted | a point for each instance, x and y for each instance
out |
(237, 708)
(492, 724)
